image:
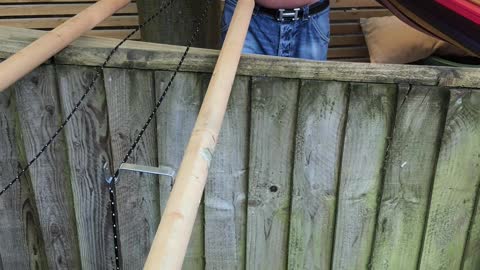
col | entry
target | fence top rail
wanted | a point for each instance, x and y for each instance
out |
(92, 51)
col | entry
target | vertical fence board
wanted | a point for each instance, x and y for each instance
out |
(471, 260)
(39, 116)
(319, 140)
(225, 195)
(370, 117)
(176, 118)
(455, 186)
(88, 145)
(130, 101)
(409, 173)
(272, 129)
(20, 235)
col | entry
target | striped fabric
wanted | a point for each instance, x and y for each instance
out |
(465, 8)
(445, 19)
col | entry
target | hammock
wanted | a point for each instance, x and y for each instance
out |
(455, 21)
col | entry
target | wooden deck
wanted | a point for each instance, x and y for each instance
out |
(320, 165)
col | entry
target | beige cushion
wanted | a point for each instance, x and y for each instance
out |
(389, 40)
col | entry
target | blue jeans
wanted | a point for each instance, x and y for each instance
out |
(305, 38)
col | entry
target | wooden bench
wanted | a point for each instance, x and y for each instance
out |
(47, 14)
(347, 41)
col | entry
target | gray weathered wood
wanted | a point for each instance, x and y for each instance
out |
(177, 23)
(370, 117)
(319, 140)
(383, 229)
(410, 169)
(134, 54)
(88, 144)
(225, 193)
(22, 244)
(39, 116)
(272, 132)
(471, 260)
(455, 186)
(175, 120)
(130, 100)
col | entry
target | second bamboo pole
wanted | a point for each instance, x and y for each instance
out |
(173, 234)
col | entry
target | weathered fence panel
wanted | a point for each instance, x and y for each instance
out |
(39, 116)
(22, 244)
(88, 142)
(226, 190)
(319, 141)
(175, 121)
(137, 194)
(318, 166)
(272, 131)
(410, 167)
(455, 189)
(370, 119)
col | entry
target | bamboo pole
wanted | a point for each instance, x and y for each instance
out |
(173, 234)
(30, 57)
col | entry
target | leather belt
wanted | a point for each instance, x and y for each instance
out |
(294, 14)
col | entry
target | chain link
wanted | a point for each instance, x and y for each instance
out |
(111, 188)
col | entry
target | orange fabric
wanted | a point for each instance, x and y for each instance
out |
(390, 40)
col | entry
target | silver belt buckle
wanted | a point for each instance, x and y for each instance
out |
(282, 14)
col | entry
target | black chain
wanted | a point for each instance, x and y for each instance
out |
(89, 88)
(114, 178)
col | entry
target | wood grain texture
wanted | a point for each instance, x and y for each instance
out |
(471, 260)
(272, 129)
(175, 120)
(54, 9)
(22, 244)
(88, 151)
(134, 54)
(226, 189)
(39, 117)
(319, 140)
(130, 100)
(370, 118)
(52, 22)
(456, 184)
(410, 169)
(177, 24)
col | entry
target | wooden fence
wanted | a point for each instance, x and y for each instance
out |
(319, 165)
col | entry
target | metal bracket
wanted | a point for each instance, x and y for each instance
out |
(160, 170)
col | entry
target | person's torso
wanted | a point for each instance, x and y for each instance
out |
(284, 3)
